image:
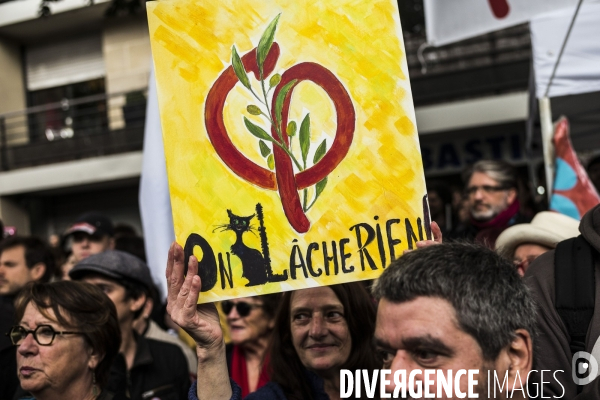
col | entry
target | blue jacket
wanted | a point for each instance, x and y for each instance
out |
(272, 390)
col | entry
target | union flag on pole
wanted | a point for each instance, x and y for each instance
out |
(574, 194)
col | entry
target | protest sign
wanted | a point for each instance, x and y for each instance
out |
(290, 140)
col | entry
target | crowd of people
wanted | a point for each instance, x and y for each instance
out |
(506, 293)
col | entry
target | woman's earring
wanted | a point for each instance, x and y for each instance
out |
(95, 392)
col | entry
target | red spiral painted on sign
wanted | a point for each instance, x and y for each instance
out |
(284, 180)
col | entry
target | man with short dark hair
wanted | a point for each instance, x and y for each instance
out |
(492, 198)
(146, 365)
(92, 233)
(22, 260)
(456, 306)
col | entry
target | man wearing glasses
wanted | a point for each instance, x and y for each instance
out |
(492, 200)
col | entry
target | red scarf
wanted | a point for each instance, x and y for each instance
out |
(490, 230)
(239, 373)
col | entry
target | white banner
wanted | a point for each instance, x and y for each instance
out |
(155, 203)
(579, 68)
(450, 21)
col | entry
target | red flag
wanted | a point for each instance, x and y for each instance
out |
(574, 194)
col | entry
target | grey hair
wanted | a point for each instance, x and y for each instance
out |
(500, 171)
(490, 298)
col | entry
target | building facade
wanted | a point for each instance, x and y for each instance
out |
(72, 112)
(73, 88)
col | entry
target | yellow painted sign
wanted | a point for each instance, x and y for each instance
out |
(289, 130)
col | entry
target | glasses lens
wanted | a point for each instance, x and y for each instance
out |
(44, 334)
(243, 308)
(17, 333)
(227, 306)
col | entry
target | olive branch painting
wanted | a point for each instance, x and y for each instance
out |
(274, 117)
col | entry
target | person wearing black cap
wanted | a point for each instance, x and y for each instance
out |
(146, 368)
(92, 233)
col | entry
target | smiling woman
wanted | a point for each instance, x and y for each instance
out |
(317, 332)
(67, 336)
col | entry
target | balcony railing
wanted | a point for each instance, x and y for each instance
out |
(107, 124)
(495, 63)
(71, 129)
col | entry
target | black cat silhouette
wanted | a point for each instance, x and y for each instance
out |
(256, 266)
(253, 263)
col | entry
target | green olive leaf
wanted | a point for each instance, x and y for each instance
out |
(254, 110)
(320, 152)
(265, 43)
(257, 130)
(320, 186)
(274, 81)
(238, 68)
(280, 99)
(264, 149)
(291, 128)
(305, 137)
(271, 162)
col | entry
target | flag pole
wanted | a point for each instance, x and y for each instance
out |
(547, 145)
(546, 114)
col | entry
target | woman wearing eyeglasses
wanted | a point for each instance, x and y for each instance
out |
(250, 321)
(67, 337)
(318, 332)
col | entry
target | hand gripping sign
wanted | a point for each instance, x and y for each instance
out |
(294, 163)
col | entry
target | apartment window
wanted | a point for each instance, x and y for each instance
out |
(59, 73)
(66, 119)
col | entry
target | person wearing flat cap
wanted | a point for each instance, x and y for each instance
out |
(145, 368)
(523, 243)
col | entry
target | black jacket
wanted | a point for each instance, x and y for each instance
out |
(551, 349)
(9, 382)
(7, 320)
(159, 371)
